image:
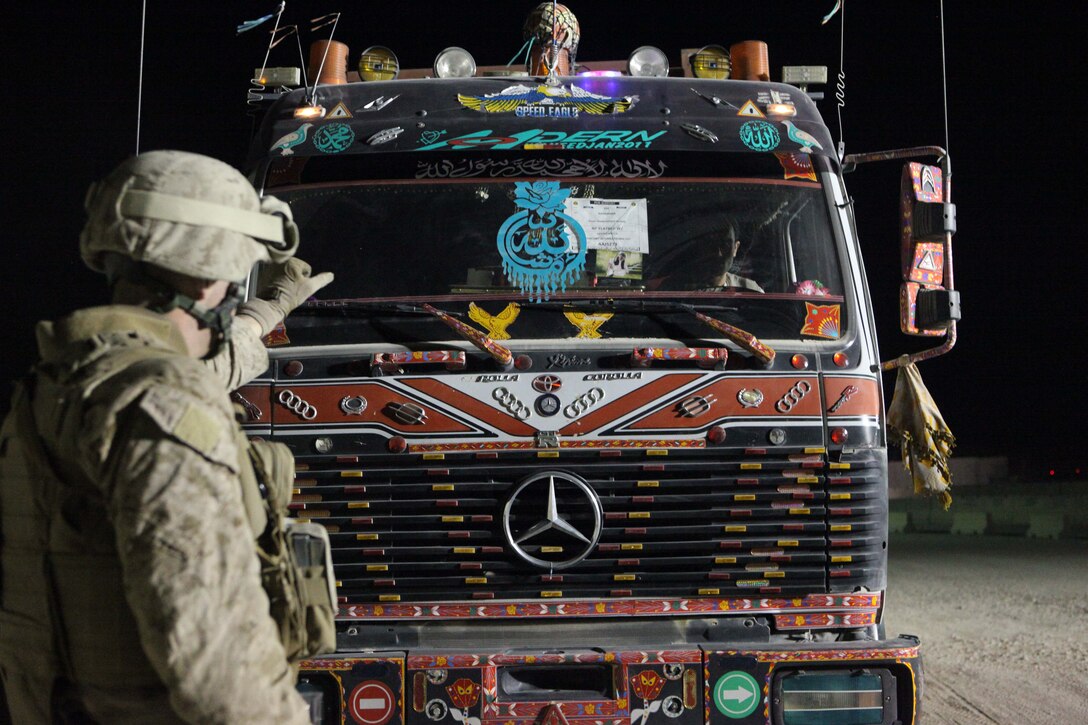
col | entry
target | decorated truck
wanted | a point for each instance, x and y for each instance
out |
(592, 412)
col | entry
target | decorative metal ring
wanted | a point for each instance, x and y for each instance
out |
(297, 405)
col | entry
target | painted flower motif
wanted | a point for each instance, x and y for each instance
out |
(464, 693)
(812, 287)
(647, 684)
(542, 195)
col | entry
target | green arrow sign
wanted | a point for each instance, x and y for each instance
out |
(736, 695)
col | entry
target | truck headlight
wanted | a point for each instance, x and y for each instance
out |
(835, 697)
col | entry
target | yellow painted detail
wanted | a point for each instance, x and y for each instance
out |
(389, 598)
(366, 537)
(821, 450)
(841, 559)
(799, 512)
(551, 550)
(709, 591)
(631, 547)
(648, 484)
(623, 577)
(725, 560)
(351, 474)
(735, 529)
(839, 466)
(547, 454)
(464, 550)
(638, 514)
(442, 487)
(807, 479)
(453, 519)
(476, 580)
(295, 491)
(358, 504)
(787, 542)
(774, 574)
(313, 514)
(657, 452)
(842, 527)
(551, 595)
(751, 466)
(840, 497)
(434, 456)
(744, 497)
(377, 567)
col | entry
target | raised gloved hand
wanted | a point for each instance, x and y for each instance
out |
(290, 287)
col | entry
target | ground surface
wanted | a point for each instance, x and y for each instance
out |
(1003, 622)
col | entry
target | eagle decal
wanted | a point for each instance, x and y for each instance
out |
(519, 98)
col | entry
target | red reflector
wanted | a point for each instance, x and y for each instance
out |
(653, 466)
(347, 459)
(487, 454)
(354, 489)
(839, 436)
(627, 562)
(642, 499)
(635, 532)
(620, 593)
(841, 359)
(459, 534)
(551, 578)
(482, 519)
(770, 590)
(799, 361)
(447, 502)
(483, 595)
(397, 444)
(609, 453)
(362, 522)
(373, 552)
(716, 434)
(438, 471)
(840, 572)
(728, 544)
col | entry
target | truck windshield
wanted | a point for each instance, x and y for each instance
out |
(754, 246)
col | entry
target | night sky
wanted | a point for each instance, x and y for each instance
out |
(1014, 385)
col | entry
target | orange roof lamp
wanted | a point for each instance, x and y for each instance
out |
(334, 69)
(749, 61)
(554, 33)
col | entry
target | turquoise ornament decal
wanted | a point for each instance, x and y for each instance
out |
(542, 248)
(334, 138)
(759, 136)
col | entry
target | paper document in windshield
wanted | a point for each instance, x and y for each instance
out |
(613, 224)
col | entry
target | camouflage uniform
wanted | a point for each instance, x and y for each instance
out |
(130, 587)
(125, 429)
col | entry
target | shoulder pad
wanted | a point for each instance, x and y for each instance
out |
(193, 422)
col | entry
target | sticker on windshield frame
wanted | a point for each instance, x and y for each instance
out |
(548, 102)
(759, 135)
(494, 324)
(291, 139)
(543, 249)
(334, 138)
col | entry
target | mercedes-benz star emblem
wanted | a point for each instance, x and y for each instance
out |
(553, 520)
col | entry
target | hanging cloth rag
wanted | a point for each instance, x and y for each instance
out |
(922, 434)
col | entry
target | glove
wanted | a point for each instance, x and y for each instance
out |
(290, 287)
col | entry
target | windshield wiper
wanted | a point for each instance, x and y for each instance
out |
(499, 353)
(761, 350)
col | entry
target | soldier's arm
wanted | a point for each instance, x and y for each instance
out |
(243, 358)
(190, 565)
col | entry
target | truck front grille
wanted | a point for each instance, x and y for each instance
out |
(689, 524)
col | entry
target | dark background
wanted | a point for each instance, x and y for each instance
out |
(1015, 383)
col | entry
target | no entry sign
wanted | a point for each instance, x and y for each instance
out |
(372, 703)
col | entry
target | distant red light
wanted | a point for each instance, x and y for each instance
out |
(1051, 471)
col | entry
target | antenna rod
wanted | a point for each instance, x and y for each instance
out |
(944, 93)
(140, 88)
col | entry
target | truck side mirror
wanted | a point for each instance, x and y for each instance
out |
(926, 307)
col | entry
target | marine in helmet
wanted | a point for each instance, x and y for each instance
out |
(131, 587)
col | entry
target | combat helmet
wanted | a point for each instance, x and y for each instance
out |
(187, 213)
